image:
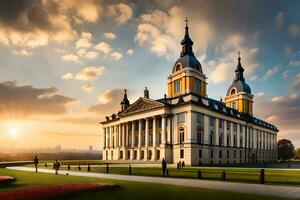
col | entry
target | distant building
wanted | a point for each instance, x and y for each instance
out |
(188, 126)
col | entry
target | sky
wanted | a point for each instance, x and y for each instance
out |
(64, 64)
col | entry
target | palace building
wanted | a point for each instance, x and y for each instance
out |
(186, 125)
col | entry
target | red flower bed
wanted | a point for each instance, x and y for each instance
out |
(50, 192)
(6, 179)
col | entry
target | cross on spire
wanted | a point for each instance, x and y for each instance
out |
(125, 91)
(186, 22)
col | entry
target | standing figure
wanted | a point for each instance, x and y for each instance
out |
(179, 165)
(57, 166)
(36, 162)
(46, 166)
(164, 167)
(182, 164)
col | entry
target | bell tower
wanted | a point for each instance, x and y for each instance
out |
(187, 76)
(239, 95)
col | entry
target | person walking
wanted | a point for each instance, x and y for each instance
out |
(182, 164)
(36, 162)
(164, 167)
(57, 166)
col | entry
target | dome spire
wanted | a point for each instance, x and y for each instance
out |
(187, 42)
(125, 102)
(239, 71)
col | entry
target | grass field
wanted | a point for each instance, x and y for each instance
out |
(127, 190)
(247, 175)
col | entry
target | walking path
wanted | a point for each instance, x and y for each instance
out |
(269, 190)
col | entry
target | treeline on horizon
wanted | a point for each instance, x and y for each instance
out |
(51, 156)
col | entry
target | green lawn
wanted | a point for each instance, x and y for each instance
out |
(247, 175)
(127, 190)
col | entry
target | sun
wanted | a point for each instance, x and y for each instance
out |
(13, 132)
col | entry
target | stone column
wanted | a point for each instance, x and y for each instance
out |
(224, 133)
(238, 135)
(163, 129)
(127, 135)
(139, 140)
(104, 138)
(132, 140)
(146, 139)
(206, 129)
(175, 130)
(169, 134)
(217, 131)
(231, 134)
(115, 136)
(154, 138)
(123, 136)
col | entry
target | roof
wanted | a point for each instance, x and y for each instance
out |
(240, 86)
(188, 61)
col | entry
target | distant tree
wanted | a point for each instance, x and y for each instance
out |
(286, 149)
(297, 154)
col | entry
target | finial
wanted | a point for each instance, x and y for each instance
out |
(125, 91)
(186, 22)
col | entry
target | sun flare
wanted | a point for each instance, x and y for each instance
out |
(13, 132)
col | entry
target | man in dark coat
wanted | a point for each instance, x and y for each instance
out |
(36, 162)
(164, 167)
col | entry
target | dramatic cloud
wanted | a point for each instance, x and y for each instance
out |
(110, 36)
(120, 12)
(270, 72)
(89, 73)
(283, 111)
(116, 55)
(22, 52)
(91, 55)
(71, 57)
(17, 102)
(296, 82)
(67, 76)
(87, 87)
(294, 30)
(129, 52)
(84, 41)
(109, 102)
(104, 47)
(285, 74)
(294, 63)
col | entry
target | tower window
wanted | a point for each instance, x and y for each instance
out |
(178, 67)
(177, 86)
(181, 153)
(232, 92)
(233, 105)
(181, 135)
(197, 86)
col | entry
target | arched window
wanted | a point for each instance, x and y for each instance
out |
(233, 91)
(181, 135)
(211, 138)
(178, 67)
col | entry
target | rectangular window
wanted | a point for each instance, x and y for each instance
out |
(199, 118)
(181, 153)
(211, 154)
(233, 105)
(200, 153)
(197, 86)
(181, 118)
(220, 154)
(177, 86)
(234, 154)
(211, 121)
(227, 153)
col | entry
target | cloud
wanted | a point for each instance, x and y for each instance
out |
(296, 82)
(89, 73)
(84, 41)
(87, 87)
(91, 55)
(116, 55)
(279, 20)
(288, 50)
(71, 57)
(109, 102)
(270, 72)
(104, 47)
(294, 63)
(294, 30)
(121, 12)
(110, 36)
(282, 111)
(129, 52)
(22, 52)
(18, 102)
(253, 78)
(68, 76)
(285, 74)
(81, 52)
